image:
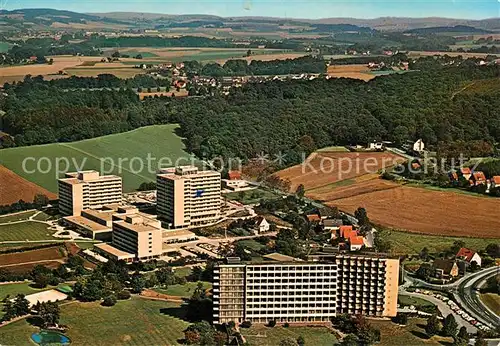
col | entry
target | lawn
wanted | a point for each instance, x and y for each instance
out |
(251, 244)
(492, 301)
(135, 322)
(415, 301)
(13, 290)
(412, 243)
(251, 196)
(182, 272)
(25, 231)
(411, 334)
(125, 154)
(264, 336)
(337, 149)
(17, 217)
(182, 290)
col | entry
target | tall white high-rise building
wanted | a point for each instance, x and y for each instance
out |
(188, 197)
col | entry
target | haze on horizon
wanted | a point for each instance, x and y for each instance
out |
(313, 9)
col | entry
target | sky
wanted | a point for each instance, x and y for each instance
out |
(470, 9)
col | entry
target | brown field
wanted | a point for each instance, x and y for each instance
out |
(13, 188)
(56, 253)
(361, 186)
(350, 71)
(325, 169)
(427, 211)
(266, 57)
(25, 268)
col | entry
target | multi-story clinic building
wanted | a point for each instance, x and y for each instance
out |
(188, 197)
(88, 190)
(306, 291)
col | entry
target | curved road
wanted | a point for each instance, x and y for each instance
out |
(467, 296)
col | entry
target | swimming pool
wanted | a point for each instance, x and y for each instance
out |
(46, 337)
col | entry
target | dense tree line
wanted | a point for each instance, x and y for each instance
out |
(307, 64)
(275, 118)
(99, 82)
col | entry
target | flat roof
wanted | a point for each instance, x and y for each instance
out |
(71, 181)
(282, 258)
(87, 224)
(138, 228)
(106, 215)
(114, 251)
(179, 233)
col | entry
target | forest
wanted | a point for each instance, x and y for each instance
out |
(276, 118)
(307, 64)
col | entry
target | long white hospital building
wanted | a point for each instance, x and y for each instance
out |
(306, 292)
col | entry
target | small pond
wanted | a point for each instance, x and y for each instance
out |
(47, 337)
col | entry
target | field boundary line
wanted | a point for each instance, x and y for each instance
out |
(99, 159)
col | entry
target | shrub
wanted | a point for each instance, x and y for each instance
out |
(271, 323)
(246, 324)
(124, 295)
(109, 301)
(286, 325)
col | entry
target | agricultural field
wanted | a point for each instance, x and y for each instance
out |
(15, 188)
(412, 243)
(322, 170)
(418, 54)
(265, 336)
(136, 322)
(55, 253)
(351, 71)
(427, 211)
(111, 154)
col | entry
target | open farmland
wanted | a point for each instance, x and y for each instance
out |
(351, 71)
(55, 253)
(427, 211)
(325, 170)
(14, 188)
(125, 154)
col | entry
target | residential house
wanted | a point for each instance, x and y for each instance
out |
(356, 243)
(332, 224)
(477, 178)
(313, 218)
(466, 173)
(453, 176)
(445, 268)
(495, 182)
(468, 256)
(261, 226)
(375, 146)
(234, 175)
(419, 146)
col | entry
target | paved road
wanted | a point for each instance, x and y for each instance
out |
(467, 296)
(444, 308)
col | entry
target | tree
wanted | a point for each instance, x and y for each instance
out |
(301, 341)
(123, 295)
(462, 338)
(271, 323)
(350, 340)
(362, 216)
(300, 192)
(8, 310)
(457, 245)
(137, 283)
(109, 300)
(450, 326)
(246, 324)
(424, 254)
(138, 56)
(433, 325)
(288, 342)
(21, 305)
(480, 340)
(192, 337)
(220, 338)
(49, 313)
(199, 306)
(249, 52)
(116, 54)
(40, 200)
(493, 250)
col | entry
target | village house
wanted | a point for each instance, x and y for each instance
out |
(332, 224)
(466, 173)
(375, 146)
(261, 226)
(468, 256)
(313, 218)
(445, 269)
(495, 182)
(477, 178)
(419, 146)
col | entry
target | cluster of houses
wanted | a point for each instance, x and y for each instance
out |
(475, 178)
(447, 269)
(346, 237)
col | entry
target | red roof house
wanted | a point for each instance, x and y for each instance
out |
(313, 218)
(468, 256)
(234, 175)
(478, 178)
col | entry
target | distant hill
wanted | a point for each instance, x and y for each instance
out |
(446, 29)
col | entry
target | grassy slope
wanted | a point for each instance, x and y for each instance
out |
(25, 231)
(135, 322)
(492, 301)
(17, 217)
(160, 141)
(412, 334)
(183, 290)
(411, 243)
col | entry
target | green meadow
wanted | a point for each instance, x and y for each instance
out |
(134, 155)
